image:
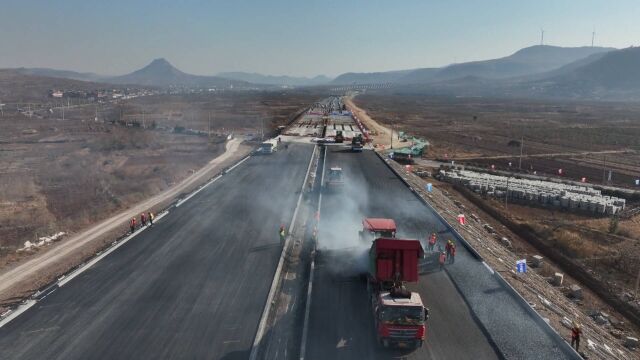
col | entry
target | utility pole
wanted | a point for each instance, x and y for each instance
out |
(521, 146)
(506, 196)
(262, 129)
(604, 169)
(209, 131)
(143, 123)
(392, 133)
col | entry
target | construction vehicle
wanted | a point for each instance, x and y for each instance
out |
(335, 178)
(268, 147)
(373, 228)
(339, 137)
(399, 315)
(357, 143)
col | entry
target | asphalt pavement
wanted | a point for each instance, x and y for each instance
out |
(472, 316)
(193, 286)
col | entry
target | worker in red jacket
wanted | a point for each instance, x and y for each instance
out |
(447, 249)
(453, 252)
(132, 224)
(143, 219)
(442, 259)
(432, 241)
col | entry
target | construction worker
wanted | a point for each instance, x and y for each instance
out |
(441, 259)
(143, 219)
(432, 241)
(282, 234)
(447, 248)
(151, 217)
(453, 252)
(575, 335)
(132, 224)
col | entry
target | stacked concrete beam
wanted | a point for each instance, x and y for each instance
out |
(571, 197)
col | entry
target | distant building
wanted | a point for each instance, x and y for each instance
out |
(57, 94)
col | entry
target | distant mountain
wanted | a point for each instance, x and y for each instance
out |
(63, 74)
(369, 78)
(524, 62)
(16, 86)
(283, 80)
(161, 73)
(527, 61)
(616, 74)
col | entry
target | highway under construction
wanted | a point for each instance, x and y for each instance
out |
(208, 279)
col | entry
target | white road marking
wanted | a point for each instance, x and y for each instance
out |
(95, 260)
(307, 308)
(202, 188)
(22, 308)
(276, 278)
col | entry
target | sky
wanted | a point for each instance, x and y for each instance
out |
(294, 37)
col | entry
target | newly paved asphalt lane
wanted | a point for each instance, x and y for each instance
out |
(471, 315)
(193, 286)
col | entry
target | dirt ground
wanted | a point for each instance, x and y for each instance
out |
(64, 175)
(464, 128)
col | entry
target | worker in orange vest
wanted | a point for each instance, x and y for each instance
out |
(432, 241)
(453, 252)
(132, 224)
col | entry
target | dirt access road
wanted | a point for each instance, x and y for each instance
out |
(381, 135)
(45, 266)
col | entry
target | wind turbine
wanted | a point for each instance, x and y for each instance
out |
(541, 36)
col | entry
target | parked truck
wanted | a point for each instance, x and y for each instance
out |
(357, 143)
(399, 315)
(339, 137)
(268, 147)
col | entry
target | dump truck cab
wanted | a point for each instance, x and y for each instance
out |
(399, 314)
(335, 177)
(373, 228)
(357, 143)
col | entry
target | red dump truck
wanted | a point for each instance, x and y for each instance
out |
(400, 316)
(373, 228)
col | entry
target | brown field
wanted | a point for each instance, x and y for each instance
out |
(566, 129)
(63, 175)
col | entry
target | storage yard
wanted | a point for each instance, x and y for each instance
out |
(325, 120)
(574, 198)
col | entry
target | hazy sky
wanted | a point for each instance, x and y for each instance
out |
(297, 37)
